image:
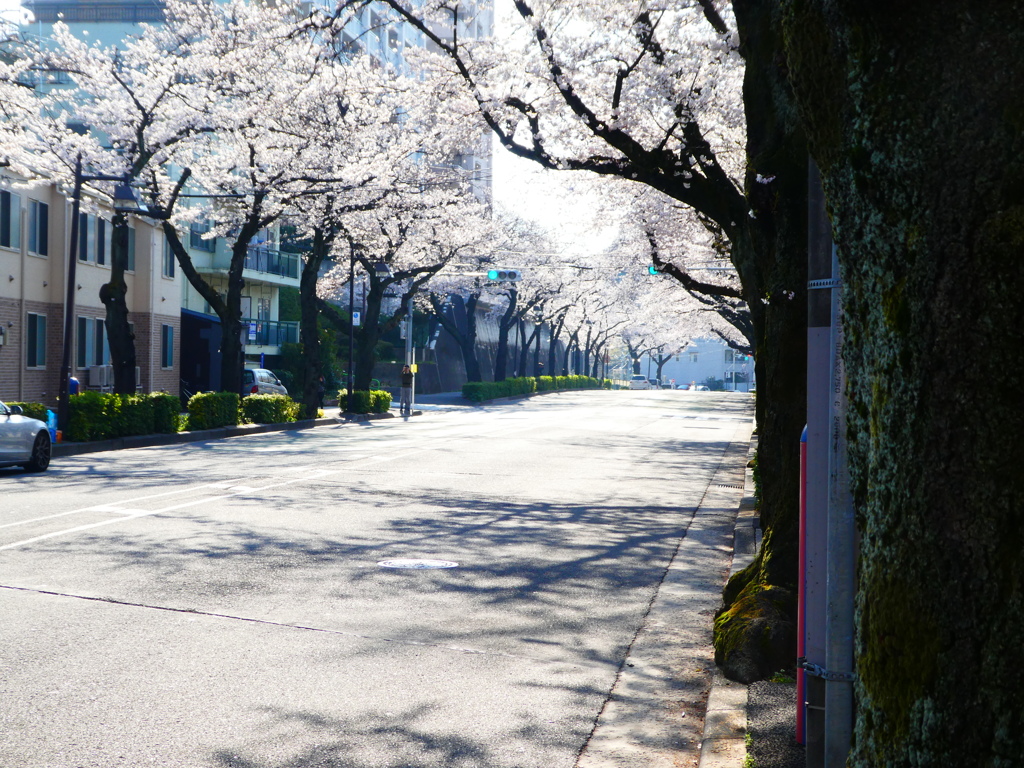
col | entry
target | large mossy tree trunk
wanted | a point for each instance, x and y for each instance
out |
(914, 115)
(755, 633)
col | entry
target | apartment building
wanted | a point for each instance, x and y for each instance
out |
(35, 249)
(707, 358)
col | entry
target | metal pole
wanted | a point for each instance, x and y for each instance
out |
(815, 539)
(351, 325)
(842, 536)
(63, 393)
(408, 345)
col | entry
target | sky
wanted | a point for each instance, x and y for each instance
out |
(565, 203)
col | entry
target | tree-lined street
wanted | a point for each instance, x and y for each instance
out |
(224, 603)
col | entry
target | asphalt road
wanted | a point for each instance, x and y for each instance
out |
(225, 603)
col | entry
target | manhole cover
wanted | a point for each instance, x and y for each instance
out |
(418, 564)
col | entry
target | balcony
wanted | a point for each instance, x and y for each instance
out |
(271, 261)
(269, 333)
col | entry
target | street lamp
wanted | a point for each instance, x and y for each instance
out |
(124, 201)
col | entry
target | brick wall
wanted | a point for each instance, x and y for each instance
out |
(165, 379)
(10, 352)
(41, 385)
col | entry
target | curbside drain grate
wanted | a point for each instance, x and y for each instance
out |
(417, 564)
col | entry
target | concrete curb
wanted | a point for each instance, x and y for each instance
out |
(61, 450)
(724, 743)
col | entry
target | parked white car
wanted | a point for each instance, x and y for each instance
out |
(23, 441)
(639, 382)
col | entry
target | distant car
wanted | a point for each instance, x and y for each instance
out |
(260, 381)
(701, 388)
(639, 382)
(23, 441)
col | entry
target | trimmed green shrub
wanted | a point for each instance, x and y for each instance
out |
(32, 410)
(269, 409)
(128, 415)
(209, 410)
(363, 401)
(166, 413)
(475, 391)
(86, 420)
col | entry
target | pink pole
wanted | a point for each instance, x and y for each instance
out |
(801, 595)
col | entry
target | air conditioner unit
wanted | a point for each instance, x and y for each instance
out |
(101, 377)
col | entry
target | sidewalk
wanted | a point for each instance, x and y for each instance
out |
(725, 722)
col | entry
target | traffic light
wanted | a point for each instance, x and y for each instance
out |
(505, 275)
(653, 270)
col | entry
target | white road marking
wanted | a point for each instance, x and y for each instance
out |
(102, 508)
(150, 513)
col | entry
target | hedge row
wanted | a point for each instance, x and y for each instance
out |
(100, 416)
(363, 401)
(478, 391)
(548, 383)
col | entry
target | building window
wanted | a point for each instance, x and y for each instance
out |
(103, 228)
(38, 228)
(168, 270)
(93, 346)
(729, 356)
(693, 357)
(86, 237)
(10, 219)
(36, 346)
(197, 240)
(262, 309)
(167, 346)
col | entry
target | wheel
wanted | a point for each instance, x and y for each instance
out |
(40, 458)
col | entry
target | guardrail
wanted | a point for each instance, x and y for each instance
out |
(272, 261)
(269, 333)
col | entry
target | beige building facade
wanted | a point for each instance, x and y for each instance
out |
(34, 252)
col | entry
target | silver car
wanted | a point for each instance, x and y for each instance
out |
(260, 381)
(23, 441)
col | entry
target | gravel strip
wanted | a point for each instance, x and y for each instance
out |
(771, 723)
